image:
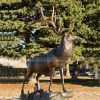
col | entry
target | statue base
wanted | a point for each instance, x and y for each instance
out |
(40, 94)
(44, 95)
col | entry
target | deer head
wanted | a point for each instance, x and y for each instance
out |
(71, 37)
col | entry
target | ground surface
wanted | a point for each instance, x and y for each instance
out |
(81, 91)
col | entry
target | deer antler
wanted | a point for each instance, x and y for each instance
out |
(53, 13)
(41, 9)
(52, 22)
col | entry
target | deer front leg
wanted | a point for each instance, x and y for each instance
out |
(37, 85)
(62, 79)
(51, 77)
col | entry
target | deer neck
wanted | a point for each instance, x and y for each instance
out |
(65, 47)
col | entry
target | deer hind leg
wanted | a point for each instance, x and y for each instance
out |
(37, 77)
(37, 85)
(50, 90)
(62, 79)
(26, 79)
(22, 91)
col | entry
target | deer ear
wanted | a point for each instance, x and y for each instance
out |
(68, 35)
(65, 34)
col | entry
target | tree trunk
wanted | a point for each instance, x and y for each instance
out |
(67, 69)
(74, 71)
(27, 37)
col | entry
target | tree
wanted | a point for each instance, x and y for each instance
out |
(80, 17)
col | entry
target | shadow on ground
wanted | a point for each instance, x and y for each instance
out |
(11, 80)
(79, 81)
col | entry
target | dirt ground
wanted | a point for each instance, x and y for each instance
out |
(81, 92)
(11, 91)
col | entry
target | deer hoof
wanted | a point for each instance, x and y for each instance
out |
(64, 90)
(22, 94)
(28, 92)
(50, 91)
(22, 91)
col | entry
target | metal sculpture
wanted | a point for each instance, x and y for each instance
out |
(55, 59)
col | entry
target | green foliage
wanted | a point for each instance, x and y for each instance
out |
(80, 17)
(9, 1)
(77, 53)
(13, 14)
(10, 25)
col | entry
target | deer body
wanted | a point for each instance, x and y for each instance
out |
(55, 59)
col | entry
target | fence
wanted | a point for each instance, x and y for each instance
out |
(9, 71)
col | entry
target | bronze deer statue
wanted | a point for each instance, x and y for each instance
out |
(55, 59)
